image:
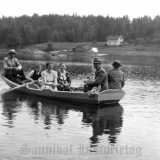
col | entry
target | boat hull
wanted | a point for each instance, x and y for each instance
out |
(107, 96)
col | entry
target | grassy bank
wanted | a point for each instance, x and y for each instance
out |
(126, 50)
(129, 54)
(129, 49)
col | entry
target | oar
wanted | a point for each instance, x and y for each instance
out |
(15, 88)
(18, 87)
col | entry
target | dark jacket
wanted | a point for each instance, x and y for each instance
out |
(36, 75)
(101, 78)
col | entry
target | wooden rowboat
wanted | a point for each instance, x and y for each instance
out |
(107, 96)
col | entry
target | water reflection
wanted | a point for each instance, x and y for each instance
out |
(47, 110)
(104, 120)
(35, 109)
(45, 122)
(10, 108)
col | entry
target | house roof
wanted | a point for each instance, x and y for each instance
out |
(114, 37)
(81, 45)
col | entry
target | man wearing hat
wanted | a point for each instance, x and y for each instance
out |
(101, 77)
(12, 68)
(116, 77)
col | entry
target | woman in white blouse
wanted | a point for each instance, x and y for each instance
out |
(49, 76)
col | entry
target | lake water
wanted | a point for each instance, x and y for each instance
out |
(37, 128)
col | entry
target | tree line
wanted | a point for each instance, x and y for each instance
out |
(26, 30)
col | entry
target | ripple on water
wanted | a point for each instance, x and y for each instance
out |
(43, 122)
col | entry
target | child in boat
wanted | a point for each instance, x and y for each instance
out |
(64, 80)
(116, 77)
(35, 75)
(49, 77)
(13, 69)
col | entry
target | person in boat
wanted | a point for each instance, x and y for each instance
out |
(116, 76)
(101, 77)
(12, 69)
(49, 77)
(35, 74)
(64, 80)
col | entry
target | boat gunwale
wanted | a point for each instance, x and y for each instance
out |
(93, 100)
(27, 86)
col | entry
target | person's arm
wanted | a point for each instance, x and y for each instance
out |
(30, 75)
(5, 66)
(98, 80)
(17, 63)
(44, 79)
(68, 78)
(109, 76)
(123, 82)
(58, 77)
(53, 84)
(55, 79)
(48, 83)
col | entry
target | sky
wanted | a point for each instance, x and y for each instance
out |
(113, 8)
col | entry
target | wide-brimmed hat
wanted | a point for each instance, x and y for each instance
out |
(96, 60)
(62, 65)
(12, 51)
(116, 63)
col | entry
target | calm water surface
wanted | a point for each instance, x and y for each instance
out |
(37, 128)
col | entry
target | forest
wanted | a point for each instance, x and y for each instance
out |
(18, 32)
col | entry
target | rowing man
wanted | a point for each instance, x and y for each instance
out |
(12, 68)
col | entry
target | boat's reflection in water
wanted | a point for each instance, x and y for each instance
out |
(105, 119)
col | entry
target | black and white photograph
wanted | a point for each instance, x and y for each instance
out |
(79, 80)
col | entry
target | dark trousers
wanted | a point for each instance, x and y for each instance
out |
(87, 88)
(63, 88)
(15, 75)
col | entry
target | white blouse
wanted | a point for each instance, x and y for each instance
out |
(50, 76)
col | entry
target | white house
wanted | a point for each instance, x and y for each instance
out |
(115, 40)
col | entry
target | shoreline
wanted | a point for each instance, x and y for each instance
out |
(106, 60)
(127, 54)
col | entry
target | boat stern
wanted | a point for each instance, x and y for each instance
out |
(111, 96)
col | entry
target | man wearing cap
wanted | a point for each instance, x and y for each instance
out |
(12, 68)
(116, 77)
(101, 77)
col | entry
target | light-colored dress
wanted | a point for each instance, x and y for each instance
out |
(49, 78)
